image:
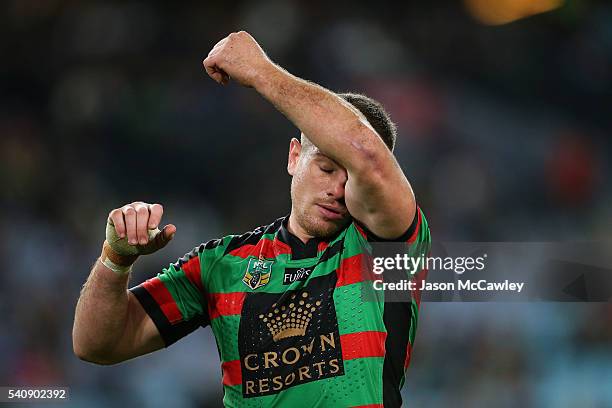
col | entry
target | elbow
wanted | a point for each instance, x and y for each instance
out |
(92, 356)
(95, 359)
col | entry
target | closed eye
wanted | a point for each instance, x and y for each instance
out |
(326, 170)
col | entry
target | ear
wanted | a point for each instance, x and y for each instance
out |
(295, 148)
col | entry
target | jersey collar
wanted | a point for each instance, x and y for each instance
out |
(300, 250)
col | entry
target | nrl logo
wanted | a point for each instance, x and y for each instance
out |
(257, 273)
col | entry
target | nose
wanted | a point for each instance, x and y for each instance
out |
(338, 183)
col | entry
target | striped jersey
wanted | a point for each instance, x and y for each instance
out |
(291, 324)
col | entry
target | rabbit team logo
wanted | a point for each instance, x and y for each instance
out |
(257, 273)
(289, 339)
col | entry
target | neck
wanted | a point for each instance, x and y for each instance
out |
(294, 227)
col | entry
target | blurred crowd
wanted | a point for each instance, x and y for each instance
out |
(504, 133)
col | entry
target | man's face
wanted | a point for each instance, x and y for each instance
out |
(317, 191)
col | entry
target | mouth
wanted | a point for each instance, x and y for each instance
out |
(330, 212)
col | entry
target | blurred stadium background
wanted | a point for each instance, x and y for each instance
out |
(504, 133)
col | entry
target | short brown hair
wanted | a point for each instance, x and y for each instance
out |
(375, 114)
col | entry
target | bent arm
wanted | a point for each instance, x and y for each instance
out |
(332, 124)
(110, 325)
(377, 191)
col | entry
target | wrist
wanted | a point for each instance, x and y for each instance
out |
(267, 78)
(120, 264)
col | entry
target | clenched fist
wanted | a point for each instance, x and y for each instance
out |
(132, 230)
(239, 57)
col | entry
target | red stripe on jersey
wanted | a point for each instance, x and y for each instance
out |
(369, 406)
(225, 304)
(163, 298)
(322, 246)
(354, 269)
(363, 344)
(192, 271)
(264, 248)
(281, 247)
(418, 227)
(232, 375)
(361, 230)
(418, 278)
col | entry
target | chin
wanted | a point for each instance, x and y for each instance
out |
(321, 228)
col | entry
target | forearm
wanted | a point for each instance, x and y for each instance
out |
(332, 124)
(101, 314)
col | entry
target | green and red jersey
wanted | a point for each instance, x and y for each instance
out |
(290, 320)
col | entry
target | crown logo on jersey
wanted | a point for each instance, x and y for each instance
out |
(291, 320)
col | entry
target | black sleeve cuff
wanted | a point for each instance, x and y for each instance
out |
(170, 333)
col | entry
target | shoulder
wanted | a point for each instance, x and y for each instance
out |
(219, 247)
(234, 242)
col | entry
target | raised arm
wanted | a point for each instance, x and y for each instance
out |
(110, 325)
(377, 192)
